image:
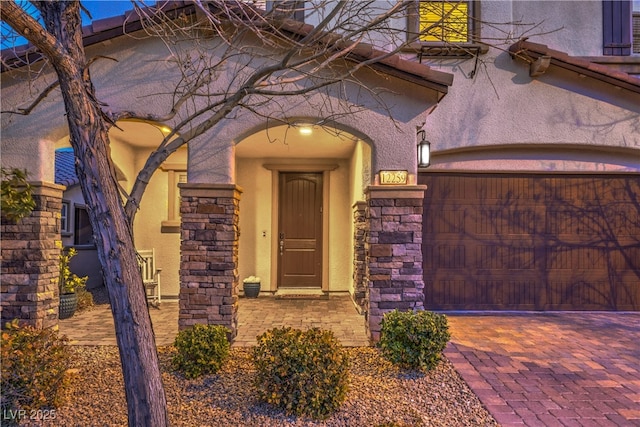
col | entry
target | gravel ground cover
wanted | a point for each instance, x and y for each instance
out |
(379, 395)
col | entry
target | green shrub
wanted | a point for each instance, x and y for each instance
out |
(69, 282)
(17, 194)
(202, 350)
(303, 372)
(34, 368)
(414, 340)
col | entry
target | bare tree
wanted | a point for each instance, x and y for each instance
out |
(270, 56)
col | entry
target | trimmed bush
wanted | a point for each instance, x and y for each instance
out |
(202, 350)
(305, 373)
(414, 340)
(85, 298)
(34, 368)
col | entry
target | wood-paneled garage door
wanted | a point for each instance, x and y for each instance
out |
(531, 242)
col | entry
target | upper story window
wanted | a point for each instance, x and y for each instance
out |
(620, 27)
(444, 21)
(445, 28)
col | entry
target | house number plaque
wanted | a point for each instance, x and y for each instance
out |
(393, 177)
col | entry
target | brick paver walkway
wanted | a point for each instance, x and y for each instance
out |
(255, 315)
(551, 369)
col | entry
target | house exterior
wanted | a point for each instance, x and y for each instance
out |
(533, 186)
(346, 207)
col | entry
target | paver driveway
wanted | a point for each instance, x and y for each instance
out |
(551, 369)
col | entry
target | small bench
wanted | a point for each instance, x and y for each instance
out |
(150, 276)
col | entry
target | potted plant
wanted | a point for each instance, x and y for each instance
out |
(251, 286)
(68, 284)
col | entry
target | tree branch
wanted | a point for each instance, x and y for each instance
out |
(31, 29)
(26, 111)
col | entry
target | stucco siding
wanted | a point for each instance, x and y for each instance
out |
(570, 26)
(340, 230)
(502, 106)
(254, 251)
(148, 225)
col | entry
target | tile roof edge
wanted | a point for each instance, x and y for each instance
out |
(114, 26)
(530, 51)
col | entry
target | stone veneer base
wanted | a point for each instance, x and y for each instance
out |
(393, 246)
(30, 251)
(209, 255)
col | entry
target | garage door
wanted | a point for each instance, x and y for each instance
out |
(531, 242)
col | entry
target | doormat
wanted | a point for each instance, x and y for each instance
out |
(302, 296)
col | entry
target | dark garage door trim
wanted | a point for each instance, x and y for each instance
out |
(531, 241)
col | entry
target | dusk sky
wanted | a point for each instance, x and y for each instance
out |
(97, 8)
(102, 9)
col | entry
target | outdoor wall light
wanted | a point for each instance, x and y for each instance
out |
(424, 150)
(304, 128)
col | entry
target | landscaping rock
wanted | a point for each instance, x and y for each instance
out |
(379, 395)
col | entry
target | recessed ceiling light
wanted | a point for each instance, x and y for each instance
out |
(305, 130)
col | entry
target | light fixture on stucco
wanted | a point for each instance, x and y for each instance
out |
(303, 127)
(424, 149)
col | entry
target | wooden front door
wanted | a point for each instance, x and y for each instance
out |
(300, 230)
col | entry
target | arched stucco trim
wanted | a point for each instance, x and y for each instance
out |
(327, 125)
(387, 122)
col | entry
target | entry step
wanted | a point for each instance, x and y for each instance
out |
(300, 293)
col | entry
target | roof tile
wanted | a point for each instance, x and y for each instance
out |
(65, 168)
(107, 28)
(529, 52)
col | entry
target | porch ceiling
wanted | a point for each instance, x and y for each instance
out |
(275, 142)
(287, 141)
(132, 133)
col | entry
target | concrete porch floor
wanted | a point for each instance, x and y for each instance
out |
(255, 315)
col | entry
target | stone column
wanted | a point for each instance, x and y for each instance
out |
(394, 252)
(30, 255)
(359, 255)
(209, 255)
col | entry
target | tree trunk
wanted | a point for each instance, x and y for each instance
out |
(88, 132)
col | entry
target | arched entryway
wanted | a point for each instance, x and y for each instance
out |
(157, 222)
(299, 186)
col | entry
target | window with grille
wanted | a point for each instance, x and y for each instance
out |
(445, 21)
(64, 218)
(176, 174)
